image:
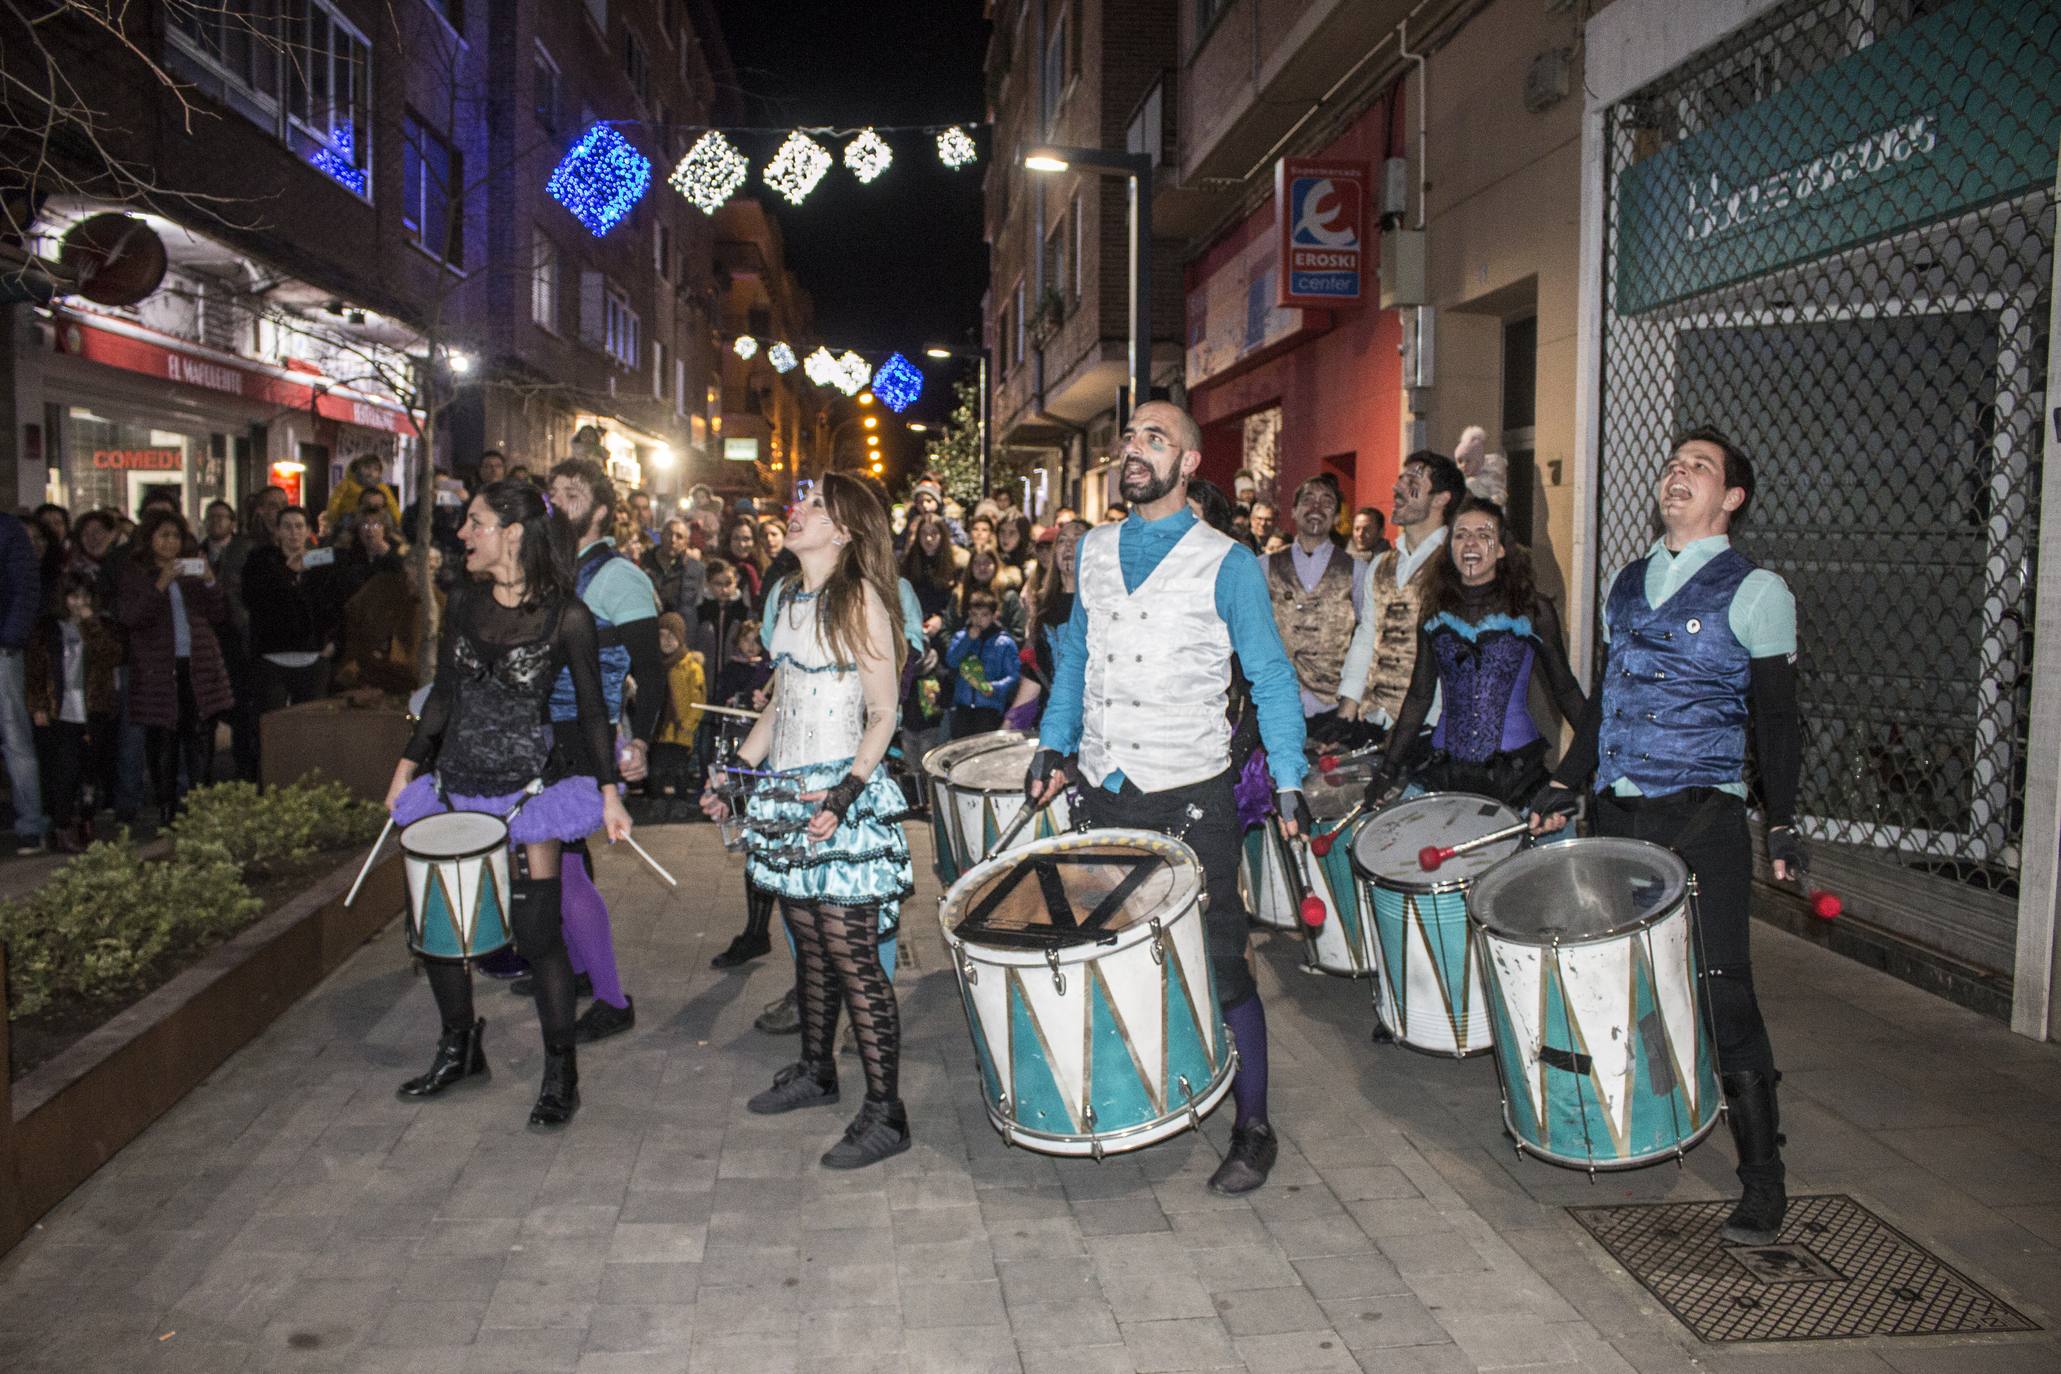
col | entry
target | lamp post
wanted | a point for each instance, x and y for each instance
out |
(980, 356)
(1137, 168)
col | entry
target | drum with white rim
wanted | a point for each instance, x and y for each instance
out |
(949, 855)
(1423, 945)
(1606, 1057)
(987, 793)
(1343, 945)
(1082, 964)
(457, 871)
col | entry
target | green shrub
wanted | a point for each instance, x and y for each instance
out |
(265, 832)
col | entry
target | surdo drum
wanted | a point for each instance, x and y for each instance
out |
(457, 870)
(987, 795)
(1088, 990)
(1604, 1053)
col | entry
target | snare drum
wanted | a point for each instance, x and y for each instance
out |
(1087, 987)
(1605, 1057)
(1343, 945)
(457, 868)
(949, 853)
(987, 793)
(1424, 947)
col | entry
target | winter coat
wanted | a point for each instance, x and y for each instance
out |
(686, 692)
(147, 614)
(43, 666)
(290, 612)
(997, 655)
(381, 630)
(344, 500)
(21, 585)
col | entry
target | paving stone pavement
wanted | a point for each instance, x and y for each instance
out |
(291, 1214)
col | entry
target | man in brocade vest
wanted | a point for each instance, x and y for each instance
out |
(1141, 681)
(1383, 654)
(1702, 643)
(1316, 599)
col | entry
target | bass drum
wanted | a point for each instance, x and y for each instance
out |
(948, 853)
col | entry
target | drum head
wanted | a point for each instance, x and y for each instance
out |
(1579, 891)
(938, 762)
(998, 768)
(1071, 890)
(1387, 846)
(455, 835)
(1329, 803)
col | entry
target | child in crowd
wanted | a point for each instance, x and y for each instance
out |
(987, 664)
(69, 673)
(675, 777)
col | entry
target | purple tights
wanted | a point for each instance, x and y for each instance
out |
(587, 935)
(1248, 1023)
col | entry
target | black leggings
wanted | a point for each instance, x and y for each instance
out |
(534, 914)
(837, 961)
(190, 741)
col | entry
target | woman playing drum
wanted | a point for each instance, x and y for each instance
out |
(485, 727)
(823, 835)
(1486, 636)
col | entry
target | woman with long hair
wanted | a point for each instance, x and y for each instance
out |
(741, 545)
(985, 573)
(486, 727)
(172, 607)
(1485, 637)
(837, 648)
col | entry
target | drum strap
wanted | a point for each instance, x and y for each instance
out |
(1565, 1060)
(1065, 928)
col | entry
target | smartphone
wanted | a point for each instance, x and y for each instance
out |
(318, 558)
(190, 567)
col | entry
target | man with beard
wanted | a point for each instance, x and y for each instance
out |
(1316, 599)
(1137, 713)
(1377, 670)
(625, 611)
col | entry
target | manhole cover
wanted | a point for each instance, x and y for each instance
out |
(1837, 1270)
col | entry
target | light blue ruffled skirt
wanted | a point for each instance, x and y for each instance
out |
(865, 862)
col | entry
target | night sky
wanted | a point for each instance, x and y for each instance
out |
(900, 263)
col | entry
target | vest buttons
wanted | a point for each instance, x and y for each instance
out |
(1651, 716)
(1141, 658)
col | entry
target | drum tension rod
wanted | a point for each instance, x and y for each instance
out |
(1058, 978)
(1158, 943)
(1088, 1120)
(1188, 1095)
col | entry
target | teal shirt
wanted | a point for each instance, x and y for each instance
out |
(1763, 614)
(621, 592)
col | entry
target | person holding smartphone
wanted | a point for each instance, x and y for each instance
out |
(289, 590)
(170, 604)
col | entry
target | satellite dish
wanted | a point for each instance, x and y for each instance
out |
(114, 259)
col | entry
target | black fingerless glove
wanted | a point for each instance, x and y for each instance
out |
(1785, 846)
(1044, 763)
(1554, 800)
(839, 798)
(1293, 806)
(1378, 788)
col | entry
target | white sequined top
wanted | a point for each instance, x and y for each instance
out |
(819, 707)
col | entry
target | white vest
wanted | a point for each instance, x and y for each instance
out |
(1159, 665)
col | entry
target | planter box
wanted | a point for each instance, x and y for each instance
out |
(69, 1116)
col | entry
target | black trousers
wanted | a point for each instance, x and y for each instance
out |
(1707, 829)
(974, 720)
(1204, 816)
(191, 741)
(61, 757)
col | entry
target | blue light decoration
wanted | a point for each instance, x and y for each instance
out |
(601, 179)
(898, 383)
(338, 162)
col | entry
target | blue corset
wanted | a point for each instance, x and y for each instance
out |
(1484, 671)
(1674, 686)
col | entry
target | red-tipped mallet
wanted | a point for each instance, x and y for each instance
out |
(1826, 906)
(1329, 763)
(1320, 845)
(1432, 855)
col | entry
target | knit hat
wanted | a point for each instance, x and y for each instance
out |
(930, 487)
(672, 621)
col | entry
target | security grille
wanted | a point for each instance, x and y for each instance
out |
(1831, 236)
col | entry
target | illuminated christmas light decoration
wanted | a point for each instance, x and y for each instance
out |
(745, 347)
(898, 383)
(867, 156)
(854, 373)
(711, 172)
(955, 148)
(601, 180)
(782, 358)
(797, 167)
(338, 161)
(821, 368)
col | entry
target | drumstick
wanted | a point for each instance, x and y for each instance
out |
(1329, 762)
(384, 832)
(1308, 905)
(1015, 827)
(1432, 855)
(1320, 845)
(655, 868)
(729, 711)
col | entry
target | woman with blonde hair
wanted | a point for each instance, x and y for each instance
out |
(824, 839)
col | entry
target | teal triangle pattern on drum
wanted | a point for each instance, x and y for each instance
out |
(941, 843)
(1040, 1105)
(1116, 1083)
(1341, 892)
(1662, 1114)
(439, 933)
(1520, 1111)
(1187, 1054)
(1577, 1123)
(489, 917)
(1394, 913)
(990, 1083)
(1450, 938)
(990, 831)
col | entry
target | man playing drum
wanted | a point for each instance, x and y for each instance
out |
(1142, 676)
(1700, 641)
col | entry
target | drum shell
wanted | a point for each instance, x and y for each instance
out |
(1428, 962)
(949, 857)
(1343, 945)
(982, 813)
(458, 903)
(1262, 882)
(1086, 1052)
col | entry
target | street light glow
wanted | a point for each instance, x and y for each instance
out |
(459, 363)
(937, 352)
(918, 427)
(1045, 162)
(865, 398)
(872, 421)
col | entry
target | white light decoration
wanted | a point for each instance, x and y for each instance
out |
(822, 368)
(854, 372)
(782, 358)
(955, 148)
(867, 156)
(746, 347)
(797, 167)
(711, 173)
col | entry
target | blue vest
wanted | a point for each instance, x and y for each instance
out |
(615, 655)
(1675, 683)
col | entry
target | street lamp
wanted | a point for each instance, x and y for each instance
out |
(1137, 168)
(980, 356)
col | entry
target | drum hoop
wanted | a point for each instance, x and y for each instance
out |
(504, 842)
(1375, 882)
(1221, 1078)
(1610, 936)
(1403, 885)
(932, 762)
(1186, 897)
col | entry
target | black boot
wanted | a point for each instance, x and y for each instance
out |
(460, 1055)
(745, 948)
(559, 1098)
(1750, 1107)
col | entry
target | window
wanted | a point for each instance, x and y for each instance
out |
(1016, 324)
(544, 277)
(1059, 67)
(607, 322)
(597, 10)
(1080, 248)
(432, 192)
(1059, 274)
(328, 93)
(635, 66)
(1206, 13)
(658, 370)
(679, 386)
(545, 98)
(452, 11)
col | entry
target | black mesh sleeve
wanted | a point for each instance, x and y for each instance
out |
(1551, 668)
(1777, 735)
(648, 671)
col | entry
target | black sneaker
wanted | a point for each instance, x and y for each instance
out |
(782, 1017)
(880, 1131)
(743, 950)
(1248, 1162)
(602, 1020)
(526, 986)
(798, 1085)
(26, 845)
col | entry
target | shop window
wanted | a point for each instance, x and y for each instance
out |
(432, 192)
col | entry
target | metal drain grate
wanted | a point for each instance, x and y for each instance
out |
(1837, 1270)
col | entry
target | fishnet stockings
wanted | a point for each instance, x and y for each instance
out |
(837, 959)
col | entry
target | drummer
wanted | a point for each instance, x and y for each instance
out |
(1700, 641)
(1486, 637)
(1143, 668)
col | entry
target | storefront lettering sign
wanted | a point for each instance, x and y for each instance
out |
(1957, 111)
(140, 459)
(199, 372)
(1320, 216)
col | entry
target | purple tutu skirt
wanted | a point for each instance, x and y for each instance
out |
(569, 809)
